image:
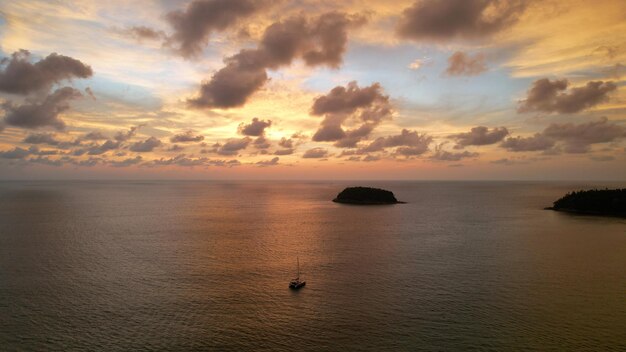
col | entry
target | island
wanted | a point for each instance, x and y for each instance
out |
(607, 202)
(366, 196)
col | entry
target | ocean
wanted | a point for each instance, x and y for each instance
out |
(195, 265)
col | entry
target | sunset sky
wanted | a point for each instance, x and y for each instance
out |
(314, 89)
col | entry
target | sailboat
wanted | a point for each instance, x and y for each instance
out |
(296, 283)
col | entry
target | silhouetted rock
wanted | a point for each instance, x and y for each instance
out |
(366, 196)
(609, 202)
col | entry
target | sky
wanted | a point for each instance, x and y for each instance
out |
(313, 89)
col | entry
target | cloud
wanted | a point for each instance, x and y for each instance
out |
(602, 158)
(579, 138)
(141, 33)
(103, 148)
(15, 153)
(367, 106)
(553, 96)
(123, 136)
(147, 145)
(261, 143)
(35, 114)
(461, 64)
(36, 151)
(509, 162)
(286, 142)
(88, 162)
(126, 162)
(233, 146)
(444, 20)
(271, 162)
(41, 138)
(318, 41)
(287, 151)
(89, 92)
(94, 136)
(536, 142)
(255, 128)
(46, 161)
(480, 135)
(443, 155)
(193, 26)
(175, 148)
(187, 136)
(19, 76)
(576, 138)
(181, 160)
(409, 143)
(315, 153)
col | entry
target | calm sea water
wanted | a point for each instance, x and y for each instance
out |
(121, 266)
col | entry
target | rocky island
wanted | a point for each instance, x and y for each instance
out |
(366, 196)
(608, 202)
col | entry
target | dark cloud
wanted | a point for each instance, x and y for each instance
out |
(537, 142)
(509, 162)
(184, 160)
(286, 142)
(575, 138)
(103, 148)
(370, 158)
(318, 41)
(271, 162)
(126, 162)
(366, 106)
(181, 160)
(15, 153)
(18, 153)
(147, 145)
(287, 151)
(187, 136)
(412, 151)
(175, 148)
(123, 136)
(41, 138)
(261, 143)
(443, 20)
(19, 76)
(46, 161)
(408, 143)
(461, 64)
(35, 114)
(553, 96)
(141, 33)
(255, 128)
(88, 162)
(94, 136)
(232, 85)
(347, 100)
(36, 151)
(602, 158)
(443, 155)
(89, 92)
(315, 153)
(480, 135)
(193, 26)
(579, 138)
(233, 146)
